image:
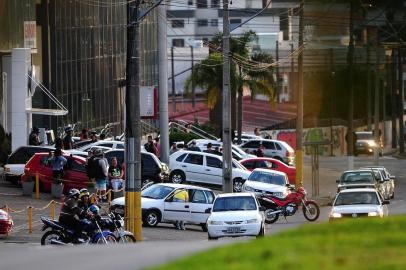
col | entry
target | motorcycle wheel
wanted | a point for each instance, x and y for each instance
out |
(312, 212)
(270, 218)
(109, 238)
(126, 239)
(50, 235)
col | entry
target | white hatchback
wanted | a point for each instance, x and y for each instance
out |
(158, 205)
(265, 181)
(235, 214)
(201, 167)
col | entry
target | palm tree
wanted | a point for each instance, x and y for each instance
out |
(208, 75)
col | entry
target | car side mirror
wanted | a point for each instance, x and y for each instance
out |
(262, 208)
(207, 211)
(386, 202)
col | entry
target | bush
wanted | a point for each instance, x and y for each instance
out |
(176, 136)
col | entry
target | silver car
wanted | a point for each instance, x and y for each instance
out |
(389, 179)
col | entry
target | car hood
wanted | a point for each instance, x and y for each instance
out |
(265, 187)
(145, 202)
(360, 208)
(234, 215)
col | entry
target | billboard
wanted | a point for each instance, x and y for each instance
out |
(148, 102)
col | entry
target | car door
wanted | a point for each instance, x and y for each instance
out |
(270, 149)
(149, 168)
(198, 204)
(193, 167)
(214, 170)
(176, 210)
(251, 145)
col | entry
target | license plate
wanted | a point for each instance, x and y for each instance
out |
(233, 229)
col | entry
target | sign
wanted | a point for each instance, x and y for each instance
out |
(30, 34)
(148, 102)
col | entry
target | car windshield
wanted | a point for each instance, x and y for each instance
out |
(238, 165)
(357, 177)
(351, 198)
(268, 178)
(239, 203)
(364, 136)
(156, 192)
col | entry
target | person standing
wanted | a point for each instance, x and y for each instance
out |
(116, 174)
(97, 170)
(173, 149)
(181, 196)
(34, 137)
(57, 163)
(193, 147)
(93, 136)
(260, 151)
(83, 135)
(158, 147)
(68, 140)
(150, 146)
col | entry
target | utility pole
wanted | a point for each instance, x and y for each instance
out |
(163, 84)
(292, 72)
(369, 109)
(299, 120)
(401, 100)
(278, 89)
(133, 125)
(376, 105)
(193, 82)
(227, 162)
(350, 61)
(331, 101)
(393, 98)
(173, 80)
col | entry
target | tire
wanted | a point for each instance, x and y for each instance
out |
(237, 184)
(177, 177)
(127, 239)
(109, 238)
(271, 219)
(49, 235)
(393, 195)
(204, 227)
(313, 207)
(152, 218)
(261, 232)
(211, 238)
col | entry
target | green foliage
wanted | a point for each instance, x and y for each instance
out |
(176, 136)
(362, 244)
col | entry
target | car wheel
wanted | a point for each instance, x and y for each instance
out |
(152, 218)
(237, 184)
(211, 238)
(261, 232)
(204, 227)
(393, 195)
(177, 177)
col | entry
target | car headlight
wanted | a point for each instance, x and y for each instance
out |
(213, 222)
(335, 215)
(247, 188)
(371, 143)
(279, 194)
(254, 220)
(373, 214)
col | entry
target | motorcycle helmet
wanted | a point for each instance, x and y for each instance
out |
(74, 193)
(94, 210)
(84, 192)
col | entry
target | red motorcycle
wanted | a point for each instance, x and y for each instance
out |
(289, 205)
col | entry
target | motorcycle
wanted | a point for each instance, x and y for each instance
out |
(115, 223)
(62, 235)
(289, 205)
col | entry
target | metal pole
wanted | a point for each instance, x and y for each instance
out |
(133, 125)
(227, 162)
(393, 98)
(163, 84)
(331, 102)
(376, 104)
(193, 83)
(299, 121)
(173, 81)
(401, 99)
(277, 67)
(292, 72)
(369, 109)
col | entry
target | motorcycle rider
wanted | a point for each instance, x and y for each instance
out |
(84, 201)
(71, 213)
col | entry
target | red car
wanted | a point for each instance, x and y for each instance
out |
(75, 172)
(6, 223)
(272, 164)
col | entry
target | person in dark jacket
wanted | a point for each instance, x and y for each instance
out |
(34, 137)
(150, 146)
(71, 213)
(84, 202)
(193, 147)
(68, 140)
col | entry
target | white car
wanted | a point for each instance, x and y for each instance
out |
(265, 181)
(276, 149)
(358, 202)
(201, 167)
(236, 151)
(158, 205)
(235, 214)
(104, 143)
(246, 137)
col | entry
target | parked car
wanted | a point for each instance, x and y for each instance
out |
(363, 179)
(236, 151)
(359, 202)
(235, 215)
(158, 205)
(74, 172)
(389, 179)
(264, 181)
(276, 149)
(104, 143)
(14, 167)
(152, 169)
(270, 164)
(205, 168)
(245, 137)
(365, 143)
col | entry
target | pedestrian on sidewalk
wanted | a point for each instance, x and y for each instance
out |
(150, 146)
(116, 174)
(97, 171)
(68, 140)
(181, 196)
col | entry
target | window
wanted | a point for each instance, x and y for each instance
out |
(194, 159)
(178, 42)
(215, 3)
(234, 22)
(178, 23)
(198, 197)
(214, 22)
(190, 2)
(181, 157)
(263, 164)
(251, 144)
(269, 145)
(120, 146)
(213, 162)
(249, 164)
(109, 145)
(202, 22)
(210, 196)
(148, 161)
(201, 3)
(278, 146)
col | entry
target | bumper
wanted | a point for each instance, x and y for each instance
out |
(234, 230)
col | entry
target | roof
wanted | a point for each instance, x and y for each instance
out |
(261, 158)
(268, 171)
(65, 154)
(243, 194)
(357, 171)
(357, 190)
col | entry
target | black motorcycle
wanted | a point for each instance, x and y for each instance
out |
(115, 223)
